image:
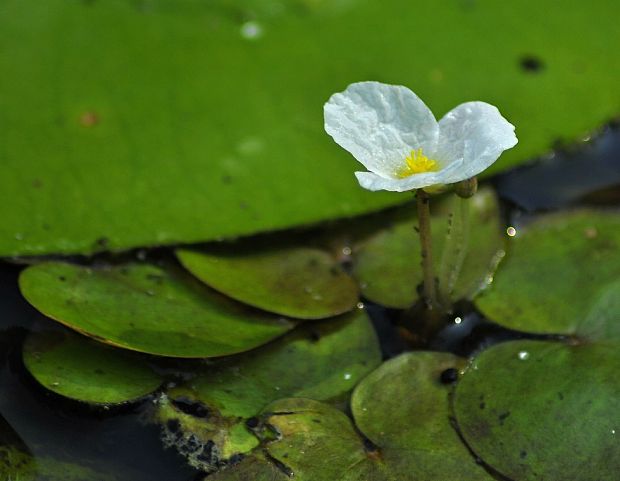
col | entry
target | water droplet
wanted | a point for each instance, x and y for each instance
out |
(346, 251)
(523, 355)
(613, 431)
(347, 376)
(360, 305)
(251, 30)
(55, 384)
(457, 320)
(511, 231)
(19, 236)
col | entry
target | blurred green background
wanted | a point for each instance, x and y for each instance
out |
(128, 123)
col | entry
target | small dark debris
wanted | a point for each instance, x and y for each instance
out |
(502, 417)
(208, 454)
(103, 242)
(192, 444)
(482, 405)
(561, 396)
(369, 446)
(315, 336)
(523, 454)
(317, 421)
(252, 423)
(449, 376)
(173, 425)
(191, 407)
(235, 459)
(530, 63)
(62, 278)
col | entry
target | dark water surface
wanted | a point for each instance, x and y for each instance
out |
(118, 441)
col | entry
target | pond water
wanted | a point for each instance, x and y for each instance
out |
(118, 441)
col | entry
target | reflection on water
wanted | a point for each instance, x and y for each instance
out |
(566, 178)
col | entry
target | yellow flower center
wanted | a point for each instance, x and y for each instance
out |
(417, 163)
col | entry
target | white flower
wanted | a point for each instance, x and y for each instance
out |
(396, 137)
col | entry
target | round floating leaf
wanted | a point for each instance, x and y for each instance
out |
(147, 308)
(402, 408)
(295, 281)
(321, 361)
(213, 125)
(539, 410)
(388, 263)
(78, 368)
(556, 268)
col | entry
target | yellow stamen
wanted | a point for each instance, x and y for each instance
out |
(417, 163)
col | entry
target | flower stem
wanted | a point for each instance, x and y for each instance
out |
(424, 219)
(454, 251)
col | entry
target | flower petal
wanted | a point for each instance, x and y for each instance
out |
(372, 181)
(380, 124)
(476, 133)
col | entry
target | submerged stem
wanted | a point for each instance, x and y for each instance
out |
(424, 219)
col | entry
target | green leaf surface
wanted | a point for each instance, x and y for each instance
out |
(147, 308)
(291, 280)
(543, 411)
(402, 407)
(84, 370)
(556, 268)
(139, 123)
(388, 267)
(322, 361)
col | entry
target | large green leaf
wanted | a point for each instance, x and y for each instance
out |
(147, 308)
(292, 280)
(547, 410)
(538, 410)
(128, 123)
(387, 264)
(555, 269)
(321, 361)
(402, 408)
(76, 367)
